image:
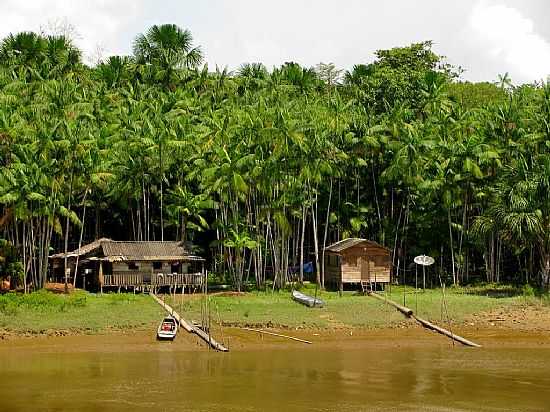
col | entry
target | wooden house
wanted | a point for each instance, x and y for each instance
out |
(357, 261)
(131, 265)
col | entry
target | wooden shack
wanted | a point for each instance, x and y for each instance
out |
(106, 263)
(357, 262)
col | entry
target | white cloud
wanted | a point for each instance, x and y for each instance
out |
(486, 37)
(97, 22)
(508, 37)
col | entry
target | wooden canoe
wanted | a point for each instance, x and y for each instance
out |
(307, 300)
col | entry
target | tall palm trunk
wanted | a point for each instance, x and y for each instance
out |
(67, 224)
(302, 241)
(325, 235)
(451, 244)
(80, 240)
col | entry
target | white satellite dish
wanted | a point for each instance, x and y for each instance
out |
(424, 260)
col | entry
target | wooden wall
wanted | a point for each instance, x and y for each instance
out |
(361, 263)
(332, 269)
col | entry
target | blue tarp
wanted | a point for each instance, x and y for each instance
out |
(308, 268)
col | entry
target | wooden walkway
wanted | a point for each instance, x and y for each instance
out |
(190, 327)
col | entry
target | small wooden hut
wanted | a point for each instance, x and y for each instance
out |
(105, 263)
(357, 261)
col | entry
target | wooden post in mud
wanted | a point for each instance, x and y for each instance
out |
(410, 314)
(189, 327)
(278, 334)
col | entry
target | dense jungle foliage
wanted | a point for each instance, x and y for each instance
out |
(261, 168)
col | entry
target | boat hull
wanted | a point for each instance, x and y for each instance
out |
(164, 336)
(167, 329)
(307, 300)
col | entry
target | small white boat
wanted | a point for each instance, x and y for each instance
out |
(307, 300)
(168, 329)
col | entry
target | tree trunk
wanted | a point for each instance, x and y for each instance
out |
(451, 244)
(325, 236)
(545, 268)
(316, 243)
(80, 240)
(302, 240)
(66, 249)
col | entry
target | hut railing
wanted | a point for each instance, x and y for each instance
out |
(155, 279)
(176, 279)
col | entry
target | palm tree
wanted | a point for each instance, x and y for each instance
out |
(24, 52)
(167, 48)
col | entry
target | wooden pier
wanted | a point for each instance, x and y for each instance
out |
(189, 327)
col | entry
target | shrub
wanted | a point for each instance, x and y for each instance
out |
(527, 290)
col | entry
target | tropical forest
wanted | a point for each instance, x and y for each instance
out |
(261, 168)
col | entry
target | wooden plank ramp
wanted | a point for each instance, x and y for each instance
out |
(190, 327)
(410, 314)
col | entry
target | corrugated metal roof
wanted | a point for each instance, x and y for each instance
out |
(351, 242)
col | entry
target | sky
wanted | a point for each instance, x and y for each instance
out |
(485, 37)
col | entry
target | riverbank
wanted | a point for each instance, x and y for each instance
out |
(239, 340)
(55, 314)
(476, 309)
(479, 306)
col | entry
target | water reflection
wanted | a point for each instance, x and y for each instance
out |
(288, 380)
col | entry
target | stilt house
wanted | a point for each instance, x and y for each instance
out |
(357, 261)
(131, 265)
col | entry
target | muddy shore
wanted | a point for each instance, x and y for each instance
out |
(238, 339)
(526, 326)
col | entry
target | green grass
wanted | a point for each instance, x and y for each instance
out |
(84, 312)
(351, 310)
(43, 311)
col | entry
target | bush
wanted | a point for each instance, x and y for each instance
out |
(41, 301)
(10, 263)
(527, 291)
(8, 304)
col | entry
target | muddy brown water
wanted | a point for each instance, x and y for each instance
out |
(384, 370)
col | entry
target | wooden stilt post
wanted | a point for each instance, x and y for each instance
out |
(100, 276)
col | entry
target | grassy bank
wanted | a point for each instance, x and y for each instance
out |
(353, 309)
(82, 312)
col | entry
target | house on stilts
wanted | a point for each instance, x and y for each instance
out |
(138, 266)
(356, 261)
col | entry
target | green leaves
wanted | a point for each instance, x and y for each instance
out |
(471, 167)
(239, 183)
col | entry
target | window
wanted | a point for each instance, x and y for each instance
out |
(157, 265)
(132, 266)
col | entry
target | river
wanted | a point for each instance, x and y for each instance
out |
(135, 373)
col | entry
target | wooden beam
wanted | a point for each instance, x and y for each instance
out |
(409, 313)
(189, 327)
(445, 332)
(278, 334)
(404, 310)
